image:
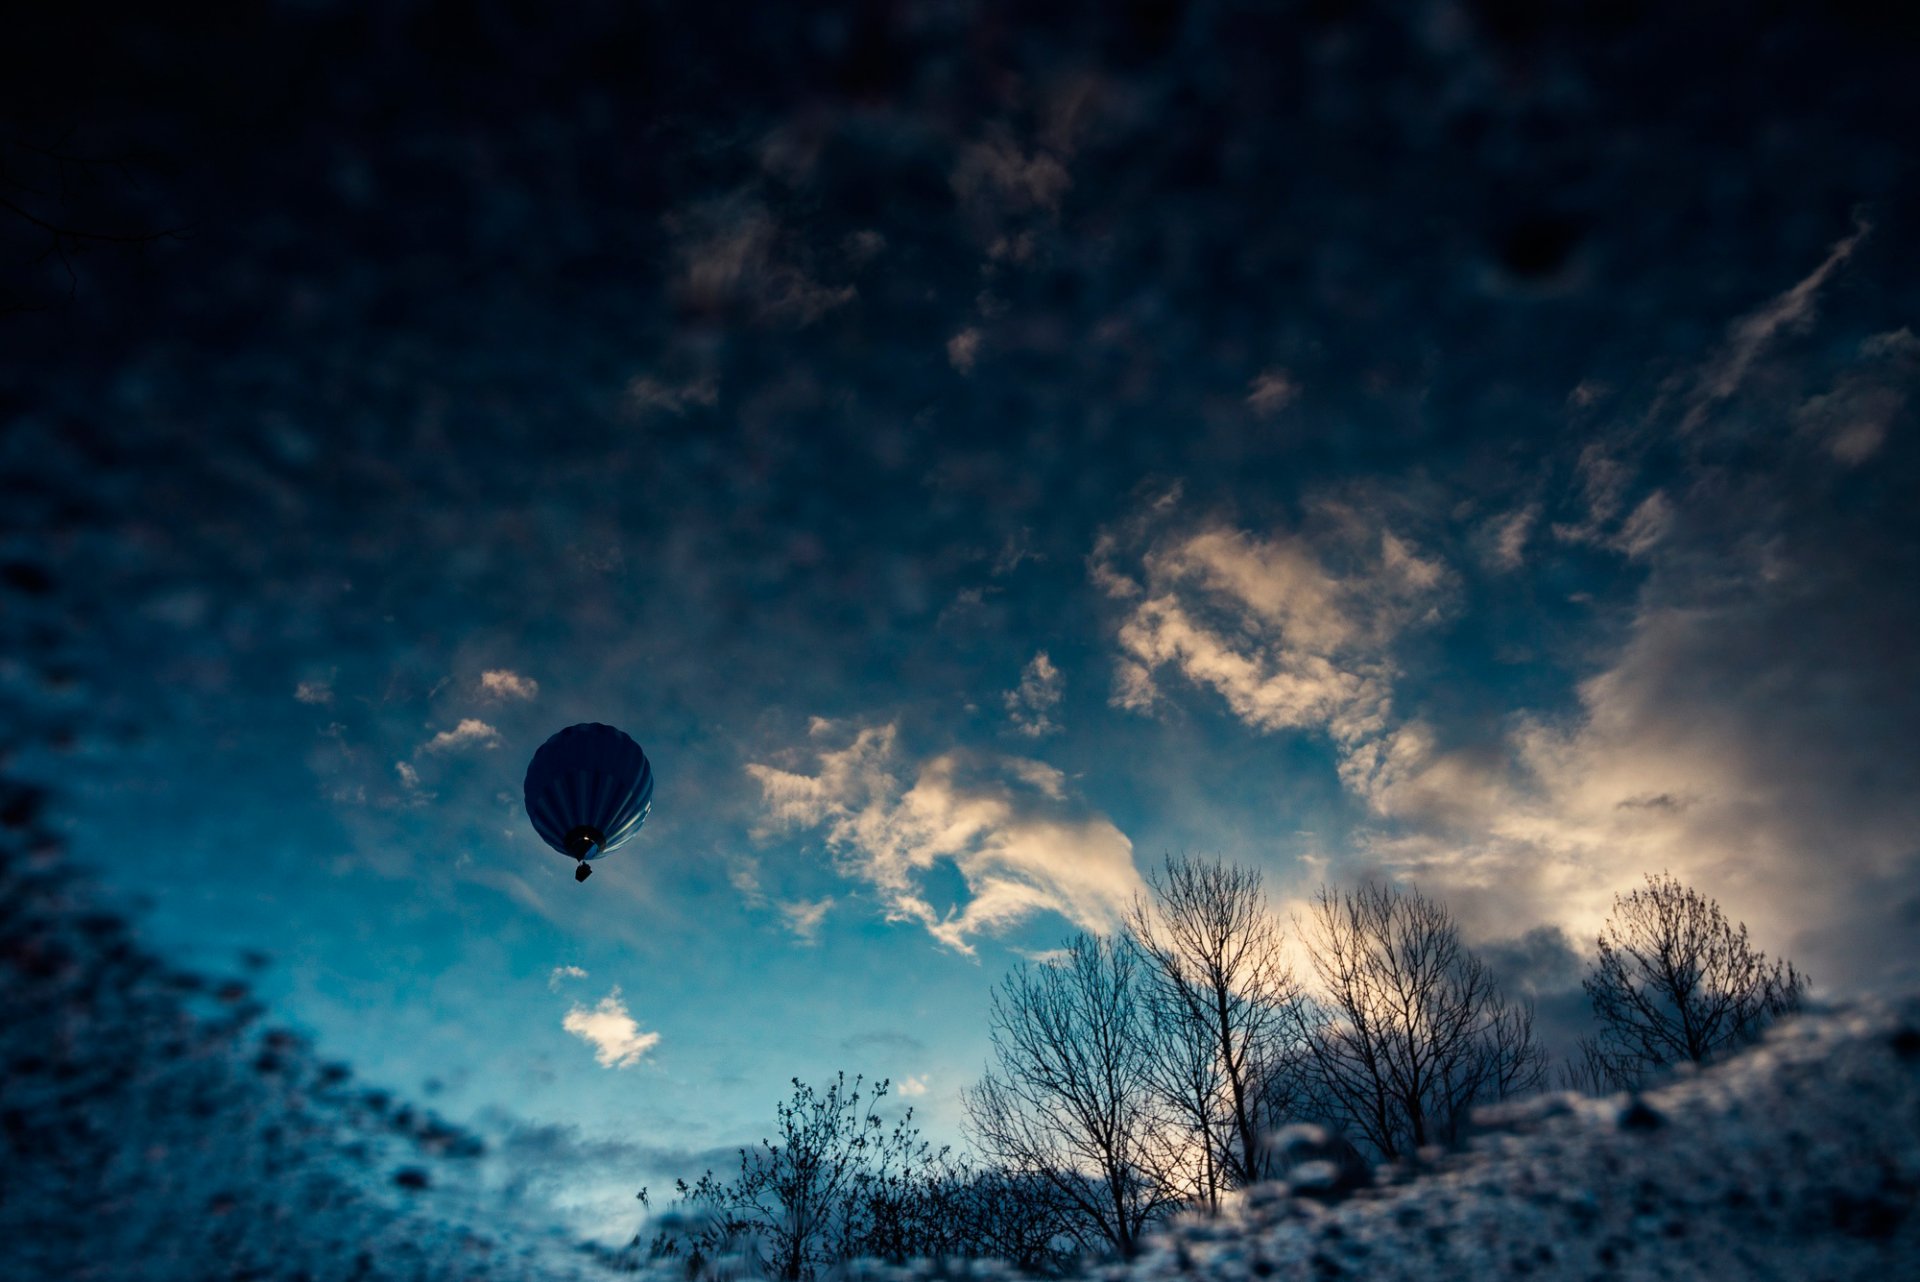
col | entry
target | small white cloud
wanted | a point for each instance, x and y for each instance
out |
(616, 1039)
(1031, 706)
(470, 731)
(743, 873)
(1271, 391)
(910, 1087)
(561, 973)
(963, 349)
(503, 684)
(803, 917)
(408, 775)
(313, 692)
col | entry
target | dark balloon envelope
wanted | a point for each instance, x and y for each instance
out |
(588, 790)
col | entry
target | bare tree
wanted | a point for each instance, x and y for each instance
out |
(1224, 1005)
(1410, 1031)
(1070, 1097)
(1676, 982)
(1586, 1070)
(833, 1184)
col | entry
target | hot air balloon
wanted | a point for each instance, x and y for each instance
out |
(589, 789)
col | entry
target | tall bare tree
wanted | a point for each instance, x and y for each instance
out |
(1069, 1098)
(1410, 1030)
(1224, 1003)
(1676, 982)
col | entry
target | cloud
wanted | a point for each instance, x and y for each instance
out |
(1751, 334)
(963, 349)
(469, 732)
(1853, 419)
(318, 692)
(1022, 846)
(1271, 391)
(1031, 706)
(647, 393)
(998, 172)
(732, 254)
(1507, 536)
(743, 874)
(616, 1039)
(561, 973)
(803, 917)
(912, 1087)
(502, 684)
(1747, 728)
(1292, 631)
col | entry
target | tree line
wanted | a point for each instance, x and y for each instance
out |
(1192, 1053)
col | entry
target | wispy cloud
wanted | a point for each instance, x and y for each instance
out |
(560, 974)
(616, 1038)
(733, 254)
(1031, 705)
(1853, 419)
(1752, 333)
(743, 874)
(1020, 843)
(912, 1087)
(1507, 536)
(316, 692)
(804, 917)
(963, 350)
(500, 683)
(1271, 391)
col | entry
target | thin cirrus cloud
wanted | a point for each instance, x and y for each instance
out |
(1020, 843)
(616, 1038)
(560, 974)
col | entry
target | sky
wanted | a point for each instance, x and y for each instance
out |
(976, 451)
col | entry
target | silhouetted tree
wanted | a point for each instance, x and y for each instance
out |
(1676, 982)
(1409, 1031)
(1070, 1098)
(833, 1184)
(1224, 1005)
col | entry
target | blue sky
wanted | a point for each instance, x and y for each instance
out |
(969, 486)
